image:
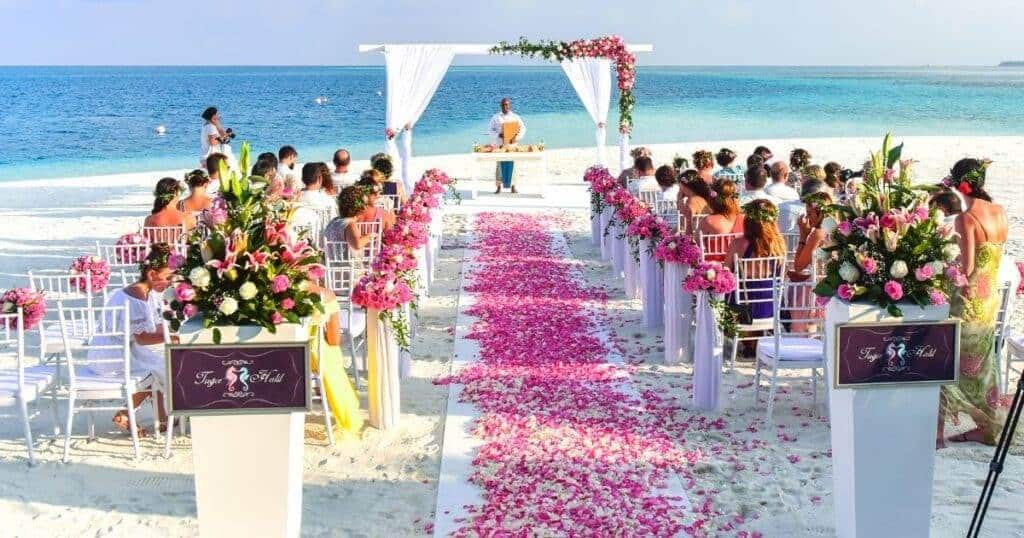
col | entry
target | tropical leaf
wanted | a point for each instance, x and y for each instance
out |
(893, 156)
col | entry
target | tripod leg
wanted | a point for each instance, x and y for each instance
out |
(995, 467)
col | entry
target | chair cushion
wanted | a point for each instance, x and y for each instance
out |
(795, 351)
(37, 380)
(354, 324)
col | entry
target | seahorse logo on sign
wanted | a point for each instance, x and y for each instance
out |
(237, 379)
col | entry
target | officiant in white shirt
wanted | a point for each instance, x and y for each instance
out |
(505, 170)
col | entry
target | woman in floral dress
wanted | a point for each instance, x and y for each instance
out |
(983, 230)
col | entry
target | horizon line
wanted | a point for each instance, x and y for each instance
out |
(540, 64)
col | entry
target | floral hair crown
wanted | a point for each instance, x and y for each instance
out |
(971, 181)
(159, 257)
(820, 200)
(760, 212)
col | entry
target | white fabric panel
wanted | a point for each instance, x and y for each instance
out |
(707, 357)
(382, 356)
(624, 162)
(678, 319)
(652, 277)
(592, 80)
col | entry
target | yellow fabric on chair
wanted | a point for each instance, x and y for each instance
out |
(336, 385)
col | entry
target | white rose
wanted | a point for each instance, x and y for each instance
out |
(898, 269)
(228, 306)
(199, 277)
(828, 225)
(672, 245)
(938, 267)
(892, 241)
(9, 307)
(247, 291)
(849, 272)
(951, 251)
(710, 274)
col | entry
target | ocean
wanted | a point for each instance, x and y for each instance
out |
(73, 121)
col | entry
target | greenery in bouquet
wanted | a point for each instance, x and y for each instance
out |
(244, 266)
(885, 247)
(716, 279)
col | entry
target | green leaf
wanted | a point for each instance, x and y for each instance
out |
(894, 310)
(893, 156)
(243, 158)
(216, 335)
(824, 289)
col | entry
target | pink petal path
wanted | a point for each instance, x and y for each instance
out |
(567, 448)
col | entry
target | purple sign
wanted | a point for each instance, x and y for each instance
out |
(872, 354)
(241, 378)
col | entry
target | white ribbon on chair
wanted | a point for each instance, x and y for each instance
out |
(652, 279)
(631, 272)
(707, 357)
(412, 75)
(678, 314)
(382, 358)
(592, 80)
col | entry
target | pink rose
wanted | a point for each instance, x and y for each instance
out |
(190, 310)
(889, 221)
(845, 292)
(280, 283)
(954, 274)
(288, 303)
(845, 228)
(937, 298)
(924, 273)
(894, 290)
(175, 261)
(315, 272)
(276, 318)
(184, 293)
(870, 265)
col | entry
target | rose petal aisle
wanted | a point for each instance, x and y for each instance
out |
(566, 447)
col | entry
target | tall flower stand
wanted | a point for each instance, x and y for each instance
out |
(618, 249)
(883, 428)
(606, 239)
(631, 272)
(707, 356)
(382, 365)
(678, 314)
(595, 229)
(247, 398)
(651, 275)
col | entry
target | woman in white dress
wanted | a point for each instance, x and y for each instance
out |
(145, 306)
(214, 138)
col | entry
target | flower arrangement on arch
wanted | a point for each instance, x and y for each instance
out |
(391, 281)
(98, 271)
(247, 268)
(611, 47)
(131, 248)
(32, 304)
(678, 248)
(886, 247)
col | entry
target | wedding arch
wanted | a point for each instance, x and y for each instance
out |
(414, 71)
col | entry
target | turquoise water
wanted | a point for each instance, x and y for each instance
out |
(63, 121)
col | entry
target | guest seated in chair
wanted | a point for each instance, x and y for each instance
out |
(725, 217)
(145, 306)
(668, 184)
(351, 202)
(726, 159)
(694, 194)
(165, 212)
(372, 211)
(761, 239)
(198, 199)
(312, 193)
(381, 163)
(646, 182)
(631, 172)
(704, 163)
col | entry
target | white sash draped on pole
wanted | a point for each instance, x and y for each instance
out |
(592, 80)
(652, 276)
(618, 249)
(678, 314)
(707, 357)
(382, 371)
(412, 75)
(631, 272)
(606, 240)
(595, 229)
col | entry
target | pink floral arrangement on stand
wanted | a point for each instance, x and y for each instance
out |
(132, 248)
(646, 226)
(717, 280)
(601, 181)
(678, 248)
(32, 304)
(98, 271)
(392, 279)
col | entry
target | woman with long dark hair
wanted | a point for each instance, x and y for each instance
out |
(692, 200)
(761, 239)
(165, 212)
(725, 214)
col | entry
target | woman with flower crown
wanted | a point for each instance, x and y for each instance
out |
(165, 212)
(692, 200)
(725, 217)
(144, 299)
(983, 230)
(351, 203)
(761, 239)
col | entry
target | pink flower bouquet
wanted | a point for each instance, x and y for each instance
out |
(32, 304)
(678, 248)
(131, 248)
(710, 276)
(98, 270)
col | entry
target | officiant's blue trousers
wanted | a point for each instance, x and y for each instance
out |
(505, 169)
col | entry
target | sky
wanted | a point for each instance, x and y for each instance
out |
(683, 32)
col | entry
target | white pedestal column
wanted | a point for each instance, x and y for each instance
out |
(883, 441)
(606, 240)
(678, 317)
(595, 229)
(618, 251)
(652, 277)
(382, 369)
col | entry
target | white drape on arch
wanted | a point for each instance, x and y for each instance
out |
(412, 75)
(592, 80)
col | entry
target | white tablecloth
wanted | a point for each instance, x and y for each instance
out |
(707, 357)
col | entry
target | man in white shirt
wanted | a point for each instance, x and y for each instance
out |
(646, 182)
(286, 159)
(780, 189)
(340, 175)
(791, 211)
(505, 170)
(756, 178)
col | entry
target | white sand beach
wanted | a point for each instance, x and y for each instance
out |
(385, 484)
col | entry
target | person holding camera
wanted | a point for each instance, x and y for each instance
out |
(214, 137)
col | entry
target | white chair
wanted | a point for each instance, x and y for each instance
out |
(341, 280)
(757, 283)
(309, 222)
(121, 257)
(714, 246)
(317, 386)
(1003, 338)
(373, 231)
(23, 385)
(58, 287)
(794, 344)
(389, 201)
(649, 196)
(164, 234)
(105, 330)
(792, 246)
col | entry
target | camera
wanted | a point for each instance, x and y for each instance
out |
(228, 136)
(848, 174)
